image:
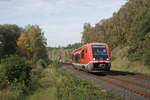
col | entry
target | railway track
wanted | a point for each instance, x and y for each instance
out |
(108, 78)
(130, 82)
(141, 76)
(135, 75)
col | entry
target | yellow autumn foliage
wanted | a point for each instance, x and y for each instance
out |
(23, 45)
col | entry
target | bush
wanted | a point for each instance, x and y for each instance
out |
(55, 64)
(15, 69)
(42, 63)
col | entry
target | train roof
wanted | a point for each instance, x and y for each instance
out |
(89, 44)
(95, 44)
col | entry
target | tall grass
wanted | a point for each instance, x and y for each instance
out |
(56, 84)
(73, 88)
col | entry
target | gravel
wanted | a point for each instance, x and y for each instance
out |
(125, 94)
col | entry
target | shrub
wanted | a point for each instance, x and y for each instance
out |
(42, 63)
(15, 69)
(55, 64)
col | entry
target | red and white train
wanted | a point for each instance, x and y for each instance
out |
(92, 57)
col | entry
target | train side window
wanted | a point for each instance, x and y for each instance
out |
(77, 58)
(82, 54)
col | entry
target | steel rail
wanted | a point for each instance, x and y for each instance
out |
(134, 90)
(131, 82)
(142, 76)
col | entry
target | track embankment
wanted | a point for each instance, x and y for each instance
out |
(130, 86)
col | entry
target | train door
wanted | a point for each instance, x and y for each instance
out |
(85, 56)
(82, 56)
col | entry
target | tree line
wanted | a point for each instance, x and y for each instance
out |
(130, 26)
(28, 42)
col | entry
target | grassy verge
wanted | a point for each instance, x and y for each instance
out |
(121, 62)
(55, 84)
(51, 83)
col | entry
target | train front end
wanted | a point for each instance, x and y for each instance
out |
(100, 58)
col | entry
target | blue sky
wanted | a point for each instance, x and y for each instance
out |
(61, 20)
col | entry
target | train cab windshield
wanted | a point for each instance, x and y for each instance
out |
(99, 52)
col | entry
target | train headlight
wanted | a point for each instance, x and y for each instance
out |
(93, 58)
(107, 59)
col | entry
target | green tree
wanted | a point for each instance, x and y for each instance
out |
(85, 38)
(8, 38)
(37, 43)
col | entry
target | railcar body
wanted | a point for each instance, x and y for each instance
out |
(92, 57)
